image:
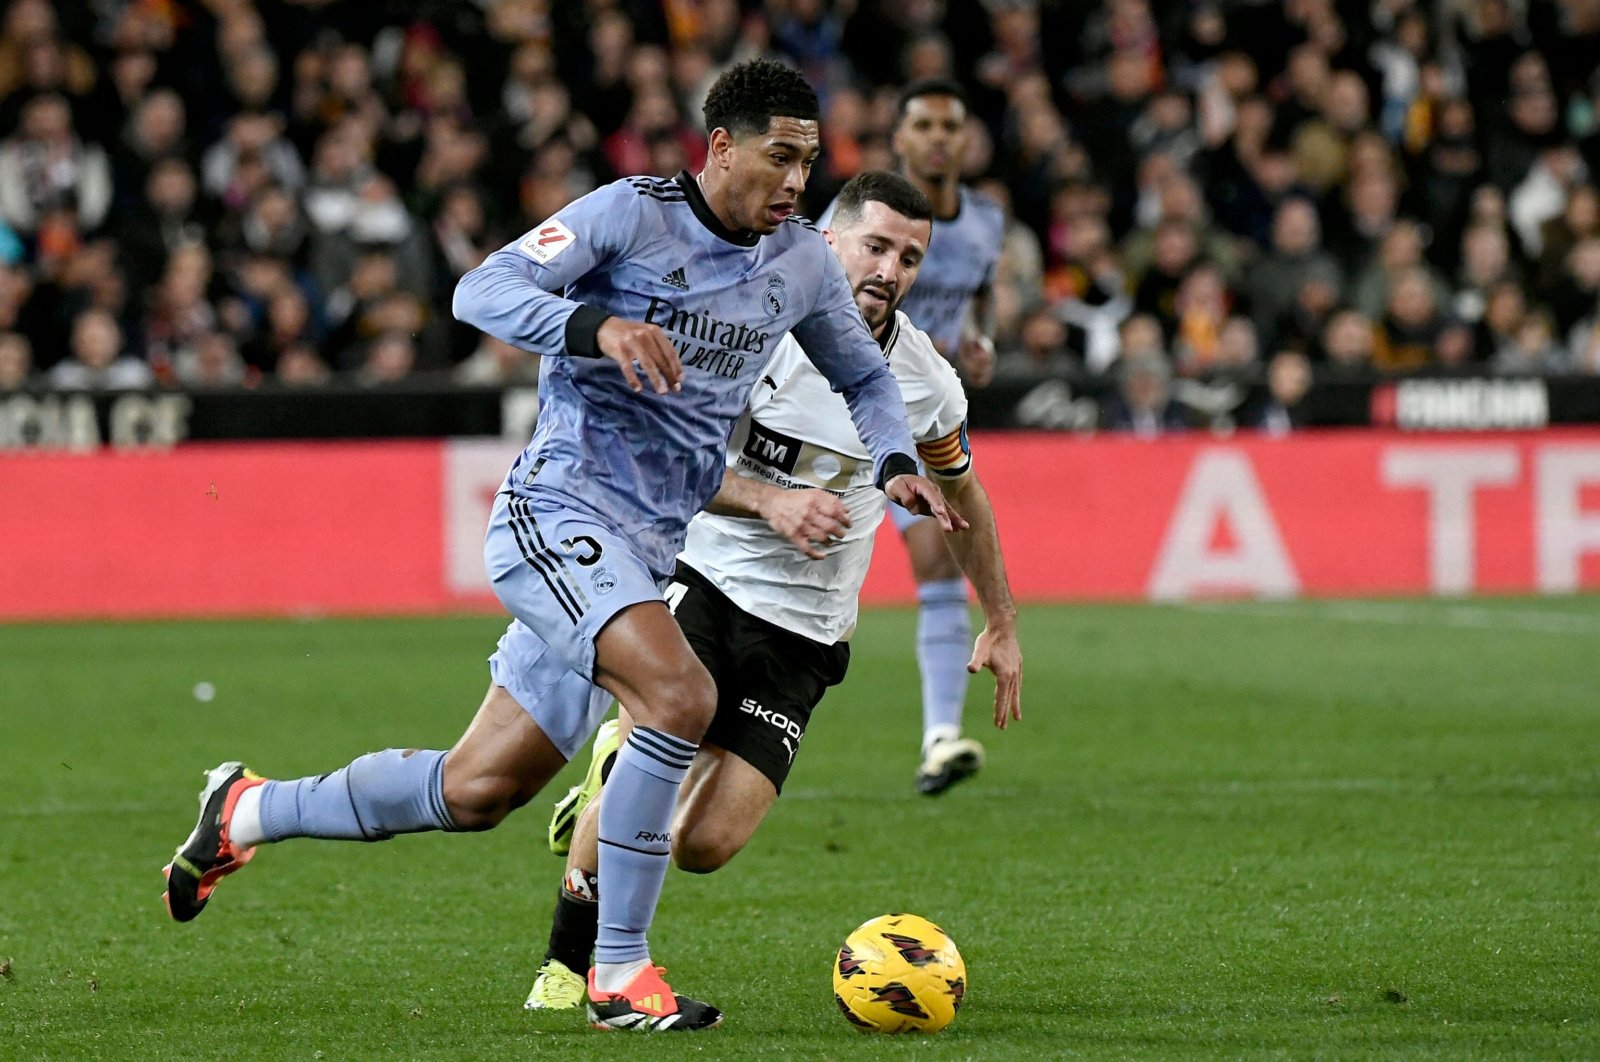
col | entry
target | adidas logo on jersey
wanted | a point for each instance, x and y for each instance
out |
(676, 279)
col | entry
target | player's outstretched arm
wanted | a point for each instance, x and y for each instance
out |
(808, 518)
(977, 550)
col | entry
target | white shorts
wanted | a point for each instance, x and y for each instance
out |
(564, 575)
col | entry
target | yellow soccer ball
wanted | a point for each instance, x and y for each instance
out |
(899, 973)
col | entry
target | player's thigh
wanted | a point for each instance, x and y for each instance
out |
(698, 613)
(767, 691)
(722, 802)
(642, 659)
(931, 559)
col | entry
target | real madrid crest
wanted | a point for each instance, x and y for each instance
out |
(775, 296)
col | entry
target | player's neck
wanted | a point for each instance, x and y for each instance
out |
(943, 191)
(708, 199)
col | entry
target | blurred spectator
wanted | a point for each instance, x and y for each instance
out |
(16, 362)
(155, 131)
(1317, 298)
(1143, 402)
(1485, 263)
(1202, 305)
(168, 218)
(1141, 336)
(1041, 352)
(1238, 348)
(299, 366)
(1282, 410)
(252, 137)
(1175, 253)
(497, 363)
(1533, 349)
(389, 359)
(1502, 317)
(1580, 220)
(1542, 194)
(1411, 325)
(1400, 251)
(1574, 295)
(1274, 283)
(179, 312)
(1347, 344)
(44, 167)
(97, 361)
(289, 324)
(211, 361)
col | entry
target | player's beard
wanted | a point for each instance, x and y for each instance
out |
(875, 312)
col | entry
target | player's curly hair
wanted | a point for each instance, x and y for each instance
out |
(879, 186)
(748, 96)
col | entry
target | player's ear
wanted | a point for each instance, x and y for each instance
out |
(720, 147)
(827, 234)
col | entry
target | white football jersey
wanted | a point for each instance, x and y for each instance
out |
(797, 433)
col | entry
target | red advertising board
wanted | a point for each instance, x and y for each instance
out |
(265, 528)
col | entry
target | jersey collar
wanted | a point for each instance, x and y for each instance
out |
(708, 217)
(887, 342)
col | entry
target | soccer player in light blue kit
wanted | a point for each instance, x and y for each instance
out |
(689, 284)
(951, 303)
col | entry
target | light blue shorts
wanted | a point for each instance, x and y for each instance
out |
(564, 575)
(903, 517)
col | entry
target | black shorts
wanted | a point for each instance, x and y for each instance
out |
(768, 679)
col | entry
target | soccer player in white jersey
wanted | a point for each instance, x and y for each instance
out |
(687, 286)
(951, 303)
(767, 585)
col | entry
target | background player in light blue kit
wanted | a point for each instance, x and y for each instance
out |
(951, 303)
(685, 284)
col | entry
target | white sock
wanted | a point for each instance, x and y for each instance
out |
(615, 976)
(937, 733)
(244, 829)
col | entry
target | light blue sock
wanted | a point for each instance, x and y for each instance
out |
(944, 645)
(374, 798)
(635, 818)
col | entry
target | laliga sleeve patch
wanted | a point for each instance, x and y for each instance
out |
(547, 241)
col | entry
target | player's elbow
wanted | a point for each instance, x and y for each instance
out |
(465, 302)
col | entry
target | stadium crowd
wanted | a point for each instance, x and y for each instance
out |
(211, 193)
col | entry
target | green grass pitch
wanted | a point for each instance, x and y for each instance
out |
(1319, 829)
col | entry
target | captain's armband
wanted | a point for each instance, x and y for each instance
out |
(948, 457)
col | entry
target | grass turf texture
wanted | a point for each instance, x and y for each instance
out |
(1313, 829)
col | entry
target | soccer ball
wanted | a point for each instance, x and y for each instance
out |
(899, 973)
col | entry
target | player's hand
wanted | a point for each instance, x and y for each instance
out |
(634, 345)
(997, 649)
(808, 518)
(976, 358)
(918, 495)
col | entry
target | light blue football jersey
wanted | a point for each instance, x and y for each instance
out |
(963, 254)
(648, 249)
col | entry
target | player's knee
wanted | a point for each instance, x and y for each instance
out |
(703, 851)
(683, 702)
(480, 803)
